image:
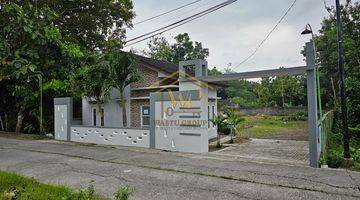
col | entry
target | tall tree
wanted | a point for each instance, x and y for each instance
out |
(53, 38)
(123, 69)
(93, 82)
(30, 45)
(88, 23)
(183, 49)
(326, 43)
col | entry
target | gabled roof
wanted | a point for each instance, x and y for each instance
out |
(157, 64)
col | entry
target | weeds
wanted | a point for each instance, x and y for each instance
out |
(123, 193)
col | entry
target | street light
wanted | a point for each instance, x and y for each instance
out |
(308, 30)
(344, 112)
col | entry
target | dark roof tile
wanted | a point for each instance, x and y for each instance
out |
(158, 64)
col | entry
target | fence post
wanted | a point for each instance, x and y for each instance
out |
(312, 105)
(63, 112)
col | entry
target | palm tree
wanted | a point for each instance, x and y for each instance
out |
(220, 122)
(233, 121)
(92, 82)
(123, 70)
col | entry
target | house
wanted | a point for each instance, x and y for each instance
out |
(157, 76)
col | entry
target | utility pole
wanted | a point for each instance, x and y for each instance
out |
(341, 82)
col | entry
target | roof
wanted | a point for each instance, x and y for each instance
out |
(158, 64)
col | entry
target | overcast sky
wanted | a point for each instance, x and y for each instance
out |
(234, 31)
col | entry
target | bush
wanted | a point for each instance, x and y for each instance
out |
(300, 116)
(123, 193)
(354, 133)
(355, 154)
(334, 158)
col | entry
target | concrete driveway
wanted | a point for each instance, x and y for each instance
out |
(269, 150)
(165, 175)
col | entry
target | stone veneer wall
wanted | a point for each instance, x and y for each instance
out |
(135, 111)
(149, 77)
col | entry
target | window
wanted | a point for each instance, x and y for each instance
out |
(145, 116)
(189, 71)
(102, 120)
(213, 114)
(208, 116)
(94, 117)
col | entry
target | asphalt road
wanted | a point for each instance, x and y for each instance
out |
(164, 175)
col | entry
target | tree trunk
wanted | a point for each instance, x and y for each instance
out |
(1, 123)
(19, 119)
(6, 119)
(124, 117)
(122, 105)
(100, 110)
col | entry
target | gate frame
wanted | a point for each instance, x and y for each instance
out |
(310, 71)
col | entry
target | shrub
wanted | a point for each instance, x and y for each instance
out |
(334, 158)
(355, 154)
(300, 116)
(123, 193)
(354, 133)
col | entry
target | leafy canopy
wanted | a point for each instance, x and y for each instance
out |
(183, 49)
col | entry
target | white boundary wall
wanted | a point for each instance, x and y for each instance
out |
(110, 136)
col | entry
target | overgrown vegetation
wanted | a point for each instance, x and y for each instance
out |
(327, 46)
(15, 187)
(275, 127)
(124, 192)
(227, 124)
(334, 154)
(42, 43)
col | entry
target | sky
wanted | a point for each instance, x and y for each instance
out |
(233, 32)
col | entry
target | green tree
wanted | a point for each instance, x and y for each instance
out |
(263, 93)
(93, 82)
(52, 38)
(30, 45)
(326, 43)
(87, 23)
(288, 90)
(183, 49)
(123, 70)
(160, 49)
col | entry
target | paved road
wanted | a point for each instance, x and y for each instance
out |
(164, 175)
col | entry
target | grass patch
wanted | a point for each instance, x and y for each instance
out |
(15, 187)
(273, 127)
(22, 136)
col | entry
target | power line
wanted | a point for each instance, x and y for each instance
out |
(179, 23)
(186, 12)
(267, 36)
(167, 12)
(185, 19)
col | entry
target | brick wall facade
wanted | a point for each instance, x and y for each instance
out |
(136, 111)
(149, 77)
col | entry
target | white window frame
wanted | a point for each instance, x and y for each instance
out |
(141, 116)
(103, 118)
(94, 117)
